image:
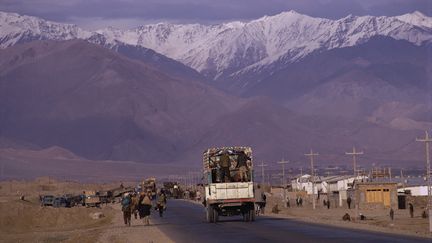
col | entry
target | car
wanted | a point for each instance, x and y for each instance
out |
(47, 200)
(60, 202)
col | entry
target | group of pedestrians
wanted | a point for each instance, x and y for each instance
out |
(141, 204)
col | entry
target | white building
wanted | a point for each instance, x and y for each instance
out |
(415, 190)
(304, 183)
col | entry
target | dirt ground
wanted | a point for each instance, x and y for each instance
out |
(376, 220)
(119, 233)
(26, 221)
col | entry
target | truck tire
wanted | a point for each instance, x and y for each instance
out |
(215, 215)
(246, 215)
(252, 215)
(210, 214)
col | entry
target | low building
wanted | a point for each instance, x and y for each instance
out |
(376, 194)
(304, 183)
(338, 186)
(414, 190)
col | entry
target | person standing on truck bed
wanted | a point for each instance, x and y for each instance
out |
(242, 159)
(225, 164)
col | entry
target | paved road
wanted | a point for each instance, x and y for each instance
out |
(185, 222)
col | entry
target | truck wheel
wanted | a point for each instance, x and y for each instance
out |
(252, 215)
(246, 216)
(215, 215)
(209, 214)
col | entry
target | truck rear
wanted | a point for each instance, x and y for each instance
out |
(91, 199)
(149, 185)
(229, 190)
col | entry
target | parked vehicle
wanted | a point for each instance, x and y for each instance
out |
(73, 200)
(47, 200)
(229, 187)
(169, 188)
(106, 197)
(60, 202)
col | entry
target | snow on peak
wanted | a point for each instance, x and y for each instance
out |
(248, 45)
(227, 48)
(416, 18)
(15, 28)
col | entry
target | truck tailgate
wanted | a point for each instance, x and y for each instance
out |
(232, 190)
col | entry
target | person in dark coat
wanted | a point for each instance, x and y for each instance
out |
(411, 210)
(144, 207)
(242, 159)
(349, 202)
(391, 213)
(225, 164)
(126, 209)
(161, 203)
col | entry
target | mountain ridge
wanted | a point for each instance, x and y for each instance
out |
(228, 49)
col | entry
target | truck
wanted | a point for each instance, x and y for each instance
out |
(228, 193)
(149, 184)
(91, 199)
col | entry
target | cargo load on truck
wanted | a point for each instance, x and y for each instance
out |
(228, 174)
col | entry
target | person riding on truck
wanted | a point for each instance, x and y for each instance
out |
(242, 159)
(225, 195)
(225, 164)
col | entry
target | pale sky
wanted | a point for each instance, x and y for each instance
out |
(92, 14)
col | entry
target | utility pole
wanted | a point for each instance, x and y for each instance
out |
(427, 140)
(402, 180)
(283, 162)
(354, 154)
(311, 155)
(2, 170)
(389, 172)
(262, 165)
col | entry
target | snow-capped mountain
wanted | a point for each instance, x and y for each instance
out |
(15, 28)
(233, 48)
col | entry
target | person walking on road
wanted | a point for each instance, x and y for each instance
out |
(144, 207)
(126, 208)
(134, 205)
(161, 203)
(328, 204)
(391, 214)
(411, 210)
(349, 202)
(260, 200)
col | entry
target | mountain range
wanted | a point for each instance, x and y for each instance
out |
(164, 92)
(230, 49)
